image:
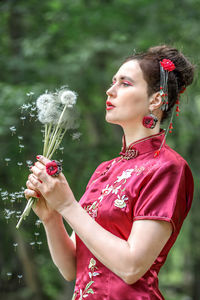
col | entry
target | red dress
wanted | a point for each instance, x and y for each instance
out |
(133, 186)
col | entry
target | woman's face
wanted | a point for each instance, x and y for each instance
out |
(127, 101)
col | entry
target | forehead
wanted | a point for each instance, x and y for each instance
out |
(131, 69)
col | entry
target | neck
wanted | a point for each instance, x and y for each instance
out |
(133, 134)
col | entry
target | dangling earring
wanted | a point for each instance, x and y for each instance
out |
(150, 121)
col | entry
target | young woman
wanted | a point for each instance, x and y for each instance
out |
(134, 205)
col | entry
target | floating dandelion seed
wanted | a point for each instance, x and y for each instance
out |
(4, 198)
(61, 149)
(30, 94)
(32, 244)
(20, 277)
(38, 222)
(7, 218)
(29, 163)
(20, 164)
(5, 193)
(7, 160)
(13, 129)
(36, 235)
(76, 136)
(39, 243)
(12, 201)
(32, 116)
(9, 274)
(15, 246)
(23, 118)
(21, 147)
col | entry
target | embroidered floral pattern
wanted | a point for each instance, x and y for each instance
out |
(120, 202)
(125, 175)
(118, 188)
(82, 294)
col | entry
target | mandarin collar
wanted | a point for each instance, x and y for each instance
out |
(147, 144)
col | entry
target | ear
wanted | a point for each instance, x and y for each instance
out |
(155, 101)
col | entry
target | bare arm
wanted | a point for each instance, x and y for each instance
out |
(130, 259)
(61, 247)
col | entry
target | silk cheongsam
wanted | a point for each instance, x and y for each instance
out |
(134, 186)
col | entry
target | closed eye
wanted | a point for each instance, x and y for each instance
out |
(127, 83)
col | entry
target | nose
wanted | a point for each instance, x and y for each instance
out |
(112, 91)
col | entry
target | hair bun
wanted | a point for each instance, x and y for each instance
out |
(184, 70)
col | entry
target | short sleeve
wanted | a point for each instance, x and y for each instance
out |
(167, 195)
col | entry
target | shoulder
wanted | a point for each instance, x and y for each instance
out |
(174, 160)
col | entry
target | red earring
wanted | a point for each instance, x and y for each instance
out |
(150, 121)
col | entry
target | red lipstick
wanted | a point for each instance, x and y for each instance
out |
(109, 105)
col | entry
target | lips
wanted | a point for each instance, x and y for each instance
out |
(109, 105)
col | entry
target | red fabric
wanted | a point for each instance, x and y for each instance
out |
(121, 192)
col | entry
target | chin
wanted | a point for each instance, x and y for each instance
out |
(111, 120)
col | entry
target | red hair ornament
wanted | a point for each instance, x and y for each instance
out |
(166, 66)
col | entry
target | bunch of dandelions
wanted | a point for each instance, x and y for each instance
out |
(56, 111)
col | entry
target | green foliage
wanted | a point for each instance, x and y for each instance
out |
(47, 44)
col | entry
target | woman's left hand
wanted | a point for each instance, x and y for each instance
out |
(55, 190)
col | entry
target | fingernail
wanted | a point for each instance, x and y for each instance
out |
(38, 156)
(40, 181)
(38, 195)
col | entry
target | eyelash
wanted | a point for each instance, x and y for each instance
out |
(124, 83)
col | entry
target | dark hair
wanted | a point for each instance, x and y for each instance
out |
(178, 79)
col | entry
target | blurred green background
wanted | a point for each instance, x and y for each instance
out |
(81, 43)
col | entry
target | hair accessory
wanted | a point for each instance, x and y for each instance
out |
(150, 121)
(54, 168)
(166, 66)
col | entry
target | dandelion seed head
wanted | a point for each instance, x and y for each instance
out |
(44, 100)
(67, 97)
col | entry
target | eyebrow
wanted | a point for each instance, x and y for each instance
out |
(122, 77)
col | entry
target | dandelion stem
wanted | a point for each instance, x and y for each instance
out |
(26, 211)
(58, 141)
(55, 133)
(46, 141)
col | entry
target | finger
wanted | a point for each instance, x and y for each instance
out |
(43, 160)
(39, 165)
(30, 186)
(30, 193)
(34, 181)
(40, 173)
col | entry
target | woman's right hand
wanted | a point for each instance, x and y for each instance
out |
(41, 208)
